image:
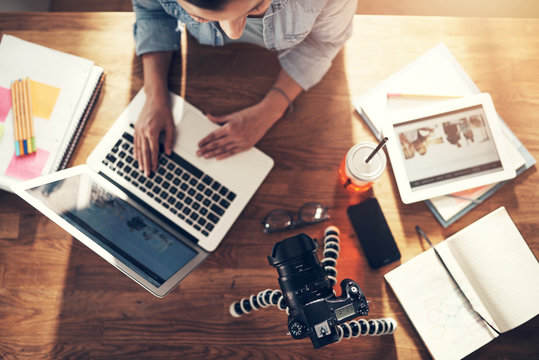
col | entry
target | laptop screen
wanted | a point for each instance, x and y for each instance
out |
(118, 227)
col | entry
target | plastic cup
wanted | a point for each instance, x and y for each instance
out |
(355, 174)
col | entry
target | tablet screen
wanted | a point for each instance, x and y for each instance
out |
(446, 147)
(115, 225)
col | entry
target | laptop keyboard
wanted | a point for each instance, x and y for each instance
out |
(177, 185)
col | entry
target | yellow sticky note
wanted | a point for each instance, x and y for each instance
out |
(43, 99)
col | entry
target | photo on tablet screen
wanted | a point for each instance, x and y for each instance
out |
(446, 147)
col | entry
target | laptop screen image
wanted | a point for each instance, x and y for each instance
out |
(118, 227)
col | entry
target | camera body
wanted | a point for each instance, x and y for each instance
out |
(314, 309)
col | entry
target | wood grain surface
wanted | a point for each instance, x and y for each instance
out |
(58, 300)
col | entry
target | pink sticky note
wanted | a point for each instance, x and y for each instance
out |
(27, 166)
(5, 103)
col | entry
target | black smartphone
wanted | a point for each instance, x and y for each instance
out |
(373, 233)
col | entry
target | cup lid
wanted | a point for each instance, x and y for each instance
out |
(355, 162)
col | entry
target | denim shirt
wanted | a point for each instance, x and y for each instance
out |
(307, 34)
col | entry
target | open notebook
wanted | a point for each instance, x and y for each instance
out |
(492, 265)
(63, 90)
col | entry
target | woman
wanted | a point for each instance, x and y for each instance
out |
(307, 34)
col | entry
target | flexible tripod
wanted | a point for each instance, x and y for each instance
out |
(354, 328)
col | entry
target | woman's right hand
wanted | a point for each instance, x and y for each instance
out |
(155, 117)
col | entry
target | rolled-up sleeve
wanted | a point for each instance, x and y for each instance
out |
(308, 61)
(154, 29)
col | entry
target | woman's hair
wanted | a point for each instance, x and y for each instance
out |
(209, 4)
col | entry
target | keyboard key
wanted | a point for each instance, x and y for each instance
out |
(122, 154)
(196, 206)
(158, 200)
(135, 164)
(208, 192)
(197, 227)
(169, 176)
(191, 192)
(173, 190)
(127, 170)
(161, 171)
(178, 205)
(166, 185)
(111, 158)
(142, 189)
(171, 200)
(162, 160)
(199, 197)
(203, 211)
(189, 221)
(166, 206)
(170, 166)
(141, 179)
(193, 181)
(149, 184)
(186, 165)
(120, 164)
(216, 198)
(128, 137)
(188, 200)
(216, 209)
(164, 195)
(150, 194)
(186, 210)
(172, 210)
(125, 145)
(206, 202)
(213, 218)
(224, 203)
(158, 179)
(215, 185)
(201, 221)
(176, 181)
(184, 186)
(181, 195)
(207, 179)
(209, 226)
(223, 191)
(186, 177)
(205, 233)
(181, 216)
(194, 215)
(156, 190)
(128, 159)
(178, 171)
(201, 187)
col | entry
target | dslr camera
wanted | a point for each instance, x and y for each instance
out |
(314, 310)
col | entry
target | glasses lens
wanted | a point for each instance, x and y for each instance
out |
(278, 220)
(312, 212)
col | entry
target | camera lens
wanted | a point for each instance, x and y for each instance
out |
(301, 276)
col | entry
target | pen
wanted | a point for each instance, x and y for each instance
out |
(423, 235)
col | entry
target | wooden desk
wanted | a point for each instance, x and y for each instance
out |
(60, 300)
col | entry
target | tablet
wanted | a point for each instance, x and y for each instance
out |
(447, 147)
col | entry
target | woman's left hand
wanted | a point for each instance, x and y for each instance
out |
(239, 131)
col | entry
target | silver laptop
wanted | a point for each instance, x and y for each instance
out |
(155, 229)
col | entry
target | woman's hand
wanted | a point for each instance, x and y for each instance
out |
(155, 117)
(239, 131)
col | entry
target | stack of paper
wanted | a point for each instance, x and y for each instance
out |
(433, 77)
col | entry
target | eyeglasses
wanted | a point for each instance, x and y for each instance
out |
(281, 220)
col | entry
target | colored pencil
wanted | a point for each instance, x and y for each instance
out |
(16, 130)
(22, 117)
(30, 136)
(421, 96)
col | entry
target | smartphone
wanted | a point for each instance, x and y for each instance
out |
(373, 233)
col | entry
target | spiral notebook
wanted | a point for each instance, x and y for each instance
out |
(64, 89)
